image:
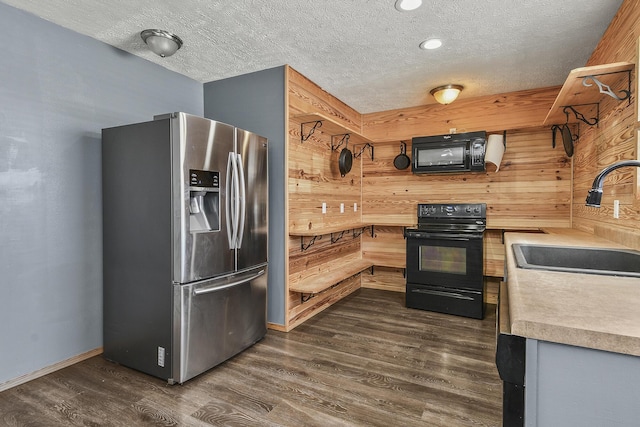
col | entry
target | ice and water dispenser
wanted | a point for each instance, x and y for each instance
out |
(204, 201)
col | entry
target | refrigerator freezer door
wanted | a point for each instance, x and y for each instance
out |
(252, 244)
(216, 319)
(200, 151)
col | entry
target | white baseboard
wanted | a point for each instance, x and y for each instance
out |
(49, 369)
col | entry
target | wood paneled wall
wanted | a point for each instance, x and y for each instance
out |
(313, 178)
(612, 140)
(532, 189)
(493, 113)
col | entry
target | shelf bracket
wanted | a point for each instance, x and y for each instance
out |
(367, 145)
(303, 136)
(304, 299)
(343, 140)
(594, 120)
(606, 89)
(371, 231)
(357, 233)
(340, 236)
(304, 247)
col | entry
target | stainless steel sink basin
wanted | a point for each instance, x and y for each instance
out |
(608, 261)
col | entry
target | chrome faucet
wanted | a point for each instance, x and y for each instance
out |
(595, 194)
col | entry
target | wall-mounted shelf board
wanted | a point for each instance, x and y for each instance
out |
(331, 275)
(327, 230)
(574, 93)
(331, 127)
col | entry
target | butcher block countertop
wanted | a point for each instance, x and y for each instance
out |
(586, 310)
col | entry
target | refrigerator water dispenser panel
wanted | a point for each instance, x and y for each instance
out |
(204, 201)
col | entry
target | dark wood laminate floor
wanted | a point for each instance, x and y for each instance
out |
(366, 361)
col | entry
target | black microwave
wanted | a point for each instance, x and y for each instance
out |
(458, 152)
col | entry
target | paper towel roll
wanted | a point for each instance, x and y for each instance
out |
(495, 150)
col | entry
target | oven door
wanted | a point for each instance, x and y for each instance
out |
(445, 259)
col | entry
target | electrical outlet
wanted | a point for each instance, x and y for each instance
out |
(452, 130)
(355, 207)
(324, 207)
(616, 209)
(341, 207)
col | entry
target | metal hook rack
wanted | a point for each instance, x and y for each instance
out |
(343, 140)
(364, 147)
(304, 247)
(303, 136)
(579, 116)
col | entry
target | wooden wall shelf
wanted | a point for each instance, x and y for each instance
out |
(574, 93)
(331, 127)
(337, 233)
(327, 230)
(332, 275)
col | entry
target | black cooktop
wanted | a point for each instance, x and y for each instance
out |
(450, 218)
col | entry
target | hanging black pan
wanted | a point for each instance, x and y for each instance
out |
(567, 138)
(345, 161)
(402, 161)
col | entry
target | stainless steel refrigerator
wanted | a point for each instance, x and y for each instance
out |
(185, 244)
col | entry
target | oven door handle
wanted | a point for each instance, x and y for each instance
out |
(442, 294)
(444, 236)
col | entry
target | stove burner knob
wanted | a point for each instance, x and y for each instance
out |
(476, 210)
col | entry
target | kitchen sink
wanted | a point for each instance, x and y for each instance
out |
(572, 259)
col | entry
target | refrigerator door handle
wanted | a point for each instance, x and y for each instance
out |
(227, 204)
(236, 200)
(243, 202)
(228, 285)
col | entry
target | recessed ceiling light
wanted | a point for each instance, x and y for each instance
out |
(407, 5)
(431, 44)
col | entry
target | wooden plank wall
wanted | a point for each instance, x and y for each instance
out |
(531, 190)
(612, 140)
(493, 113)
(313, 178)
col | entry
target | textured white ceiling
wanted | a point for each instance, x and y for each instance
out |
(364, 52)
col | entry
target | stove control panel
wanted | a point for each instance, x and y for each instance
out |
(453, 210)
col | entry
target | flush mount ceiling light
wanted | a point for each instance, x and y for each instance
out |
(408, 5)
(431, 44)
(161, 42)
(446, 94)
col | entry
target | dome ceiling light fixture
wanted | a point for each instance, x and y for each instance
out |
(431, 44)
(446, 94)
(407, 5)
(162, 43)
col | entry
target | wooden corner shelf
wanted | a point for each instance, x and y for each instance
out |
(574, 93)
(331, 127)
(330, 275)
(327, 229)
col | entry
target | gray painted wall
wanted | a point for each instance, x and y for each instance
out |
(58, 89)
(256, 102)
